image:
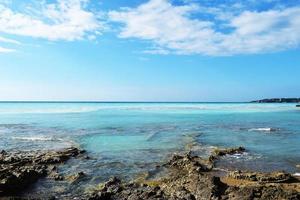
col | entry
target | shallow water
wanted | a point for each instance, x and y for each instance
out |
(126, 139)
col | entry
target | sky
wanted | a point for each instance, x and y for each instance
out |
(149, 50)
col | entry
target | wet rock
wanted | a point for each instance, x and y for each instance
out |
(115, 189)
(20, 169)
(228, 151)
(56, 176)
(275, 177)
(192, 178)
(189, 162)
(76, 177)
(217, 153)
(13, 179)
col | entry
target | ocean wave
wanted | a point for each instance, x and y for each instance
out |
(266, 129)
(48, 111)
(36, 138)
(59, 108)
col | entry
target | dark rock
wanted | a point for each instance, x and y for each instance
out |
(20, 169)
(278, 100)
(229, 151)
(193, 178)
(275, 177)
(76, 177)
(217, 153)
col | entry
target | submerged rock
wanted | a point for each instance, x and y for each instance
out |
(76, 177)
(217, 153)
(20, 169)
(194, 178)
(185, 177)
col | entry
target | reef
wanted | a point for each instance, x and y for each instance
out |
(194, 178)
(18, 170)
(186, 177)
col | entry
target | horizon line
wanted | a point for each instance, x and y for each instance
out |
(75, 101)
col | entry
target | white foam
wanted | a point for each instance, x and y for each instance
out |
(37, 138)
(38, 108)
(267, 129)
(297, 174)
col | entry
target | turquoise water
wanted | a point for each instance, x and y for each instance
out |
(128, 138)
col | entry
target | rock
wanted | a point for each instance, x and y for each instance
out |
(56, 176)
(217, 153)
(114, 189)
(20, 169)
(192, 178)
(229, 151)
(275, 177)
(76, 177)
(14, 179)
(192, 163)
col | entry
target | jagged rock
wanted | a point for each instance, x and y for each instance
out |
(76, 177)
(275, 177)
(20, 169)
(222, 152)
(192, 163)
(192, 178)
(114, 189)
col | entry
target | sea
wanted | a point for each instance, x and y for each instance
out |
(129, 139)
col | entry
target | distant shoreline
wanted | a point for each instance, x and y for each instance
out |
(278, 100)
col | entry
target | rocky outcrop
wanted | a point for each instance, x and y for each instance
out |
(194, 178)
(217, 153)
(115, 189)
(20, 169)
(185, 177)
(275, 177)
(278, 100)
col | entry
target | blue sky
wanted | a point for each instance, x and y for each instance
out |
(157, 50)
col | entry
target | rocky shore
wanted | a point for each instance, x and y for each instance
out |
(185, 176)
(18, 170)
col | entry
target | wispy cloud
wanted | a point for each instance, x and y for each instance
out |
(6, 50)
(183, 29)
(11, 41)
(63, 20)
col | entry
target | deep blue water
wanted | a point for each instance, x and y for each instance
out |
(127, 138)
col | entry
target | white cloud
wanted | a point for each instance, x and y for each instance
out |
(7, 40)
(6, 50)
(62, 20)
(176, 29)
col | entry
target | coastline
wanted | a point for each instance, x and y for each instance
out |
(139, 153)
(185, 176)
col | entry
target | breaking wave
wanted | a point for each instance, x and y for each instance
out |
(266, 129)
